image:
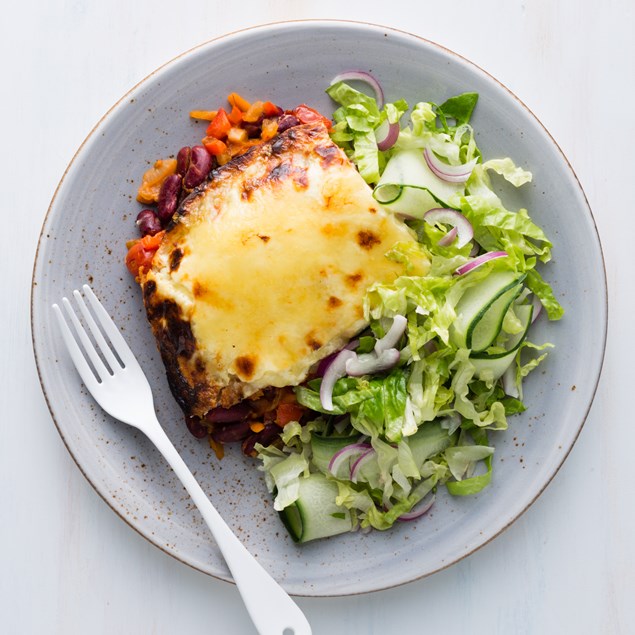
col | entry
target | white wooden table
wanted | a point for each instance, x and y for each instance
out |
(69, 565)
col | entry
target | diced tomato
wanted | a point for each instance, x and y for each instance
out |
(305, 114)
(235, 116)
(214, 146)
(219, 126)
(141, 253)
(286, 412)
(271, 110)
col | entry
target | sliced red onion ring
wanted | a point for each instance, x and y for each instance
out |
(362, 76)
(346, 454)
(386, 134)
(477, 262)
(335, 370)
(419, 509)
(396, 330)
(369, 455)
(369, 363)
(451, 217)
(449, 173)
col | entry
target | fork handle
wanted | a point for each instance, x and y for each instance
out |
(271, 609)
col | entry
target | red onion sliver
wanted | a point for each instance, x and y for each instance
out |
(386, 134)
(477, 262)
(449, 173)
(326, 361)
(396, 330)
(419, 509)
(454, 218)
(347, 453)
(362, 76)
(369, 363)
(360, 462)
(335, 370)
(448, 239)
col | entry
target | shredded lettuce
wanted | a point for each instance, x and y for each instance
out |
(428, 421)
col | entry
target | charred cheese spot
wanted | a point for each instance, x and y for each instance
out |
(329, 154)
(367, 239)
(245, 366)
(313, 343)
(353, 279)
(334, 302)
(175, 259)
(265, 239)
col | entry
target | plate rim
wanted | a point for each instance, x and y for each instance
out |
(290, 24)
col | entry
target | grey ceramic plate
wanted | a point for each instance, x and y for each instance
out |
(84, 237)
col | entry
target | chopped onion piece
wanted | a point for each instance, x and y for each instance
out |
(446, 172)
(362, 76)
(419, 509)
(396, 330)
(346, 454)
(477, 262)
(335, 370)
(369, 363)
(451, 217)
(386, 134)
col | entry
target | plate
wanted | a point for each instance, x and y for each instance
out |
(91, 218)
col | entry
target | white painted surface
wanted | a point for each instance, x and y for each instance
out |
(69, 565)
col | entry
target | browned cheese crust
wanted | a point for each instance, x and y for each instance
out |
(263, 270)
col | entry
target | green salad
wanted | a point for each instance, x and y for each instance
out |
(408, 409)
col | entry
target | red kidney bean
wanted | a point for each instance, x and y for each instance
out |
(254, 130)
(198, 169)
(183, 160)
(148, 222)
(227, 415)
(169, 197)
(196, 427)
(287, 121)
(269, 434)
(229, 432)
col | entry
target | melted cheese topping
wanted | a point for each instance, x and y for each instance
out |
(272, 272)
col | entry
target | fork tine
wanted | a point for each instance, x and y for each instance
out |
(89, 349)
(113, 362)
(84, 370)
(110, 328)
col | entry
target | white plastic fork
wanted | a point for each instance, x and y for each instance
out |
(120, 387)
